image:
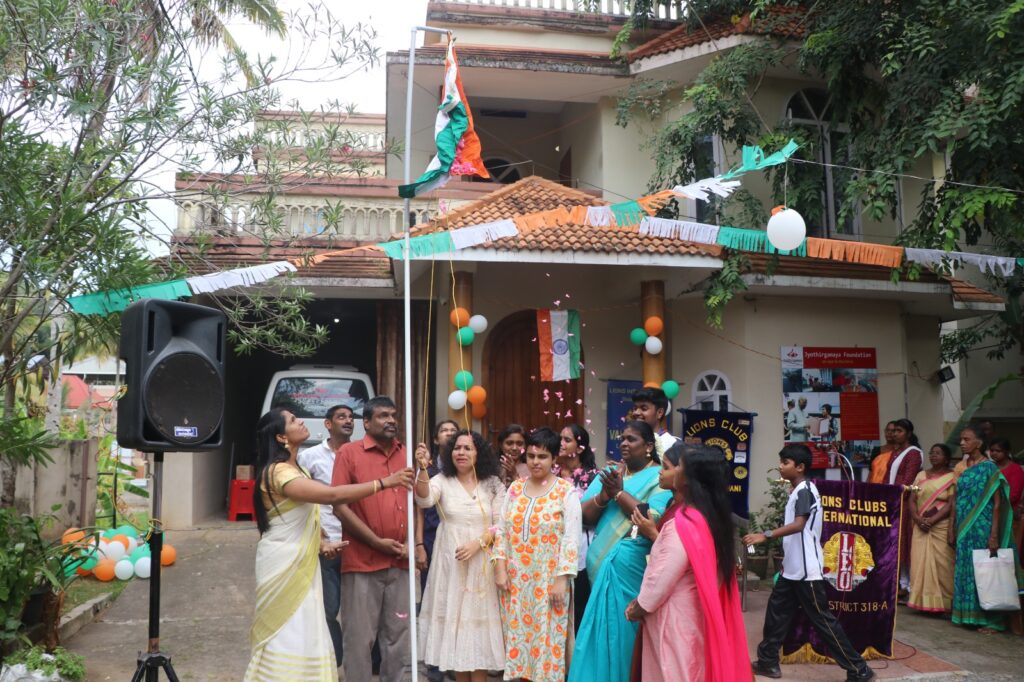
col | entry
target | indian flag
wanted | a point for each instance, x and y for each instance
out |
(458, 147)
(558, 335)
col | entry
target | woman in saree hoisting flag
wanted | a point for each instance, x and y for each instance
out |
(289, 635)
(982, 519)
(616, 558)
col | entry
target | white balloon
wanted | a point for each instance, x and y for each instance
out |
(133, 545)
(653, 345)
(101, 547)
(786, 230)
(478, 323)
(124, 570)
(142, 567)
(115, 551)
(457, 400)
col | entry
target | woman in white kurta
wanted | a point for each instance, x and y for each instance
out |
(460, 618)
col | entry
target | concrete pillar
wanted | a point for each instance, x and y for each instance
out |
(459, 357)
(652, 304)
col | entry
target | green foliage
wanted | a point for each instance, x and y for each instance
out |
(772, 515)
(723, 285)
(60, 661)
(24, 440)
(110, 490)
(983, 396)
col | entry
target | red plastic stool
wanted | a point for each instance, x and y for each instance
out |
(241, 499)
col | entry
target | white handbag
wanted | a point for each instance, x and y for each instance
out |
(996, 578)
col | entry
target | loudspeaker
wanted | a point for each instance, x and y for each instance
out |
(174, 374)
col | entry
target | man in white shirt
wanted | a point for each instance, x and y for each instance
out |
(651, 405)
(319, 462)
(796, 420)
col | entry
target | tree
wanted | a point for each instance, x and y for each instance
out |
(95, 97)
(909, 80)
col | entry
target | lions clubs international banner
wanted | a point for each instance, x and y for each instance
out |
(860, 546)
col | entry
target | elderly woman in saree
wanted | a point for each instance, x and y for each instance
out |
(617, 556)
(931, 556)
(289, 630)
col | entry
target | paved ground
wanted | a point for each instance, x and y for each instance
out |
(207, 609)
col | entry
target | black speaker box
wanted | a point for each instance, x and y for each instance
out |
(174, 374)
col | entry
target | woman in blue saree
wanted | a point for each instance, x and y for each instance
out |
(617, 557)
(981, 519)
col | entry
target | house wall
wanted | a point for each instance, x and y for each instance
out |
(505, 36)
(580, 131)
(521, 140)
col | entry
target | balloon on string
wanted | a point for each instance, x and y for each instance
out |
(478, 323)
(463, 380)
(457, 400)
(786, 229)
(653, 345)
(654, 325)
(638, 336)
(104, 570)
(476, 395)
(671, 389)
(124, 569)
(459, 317)
(465, 336)
(143, 567)
(479, 411)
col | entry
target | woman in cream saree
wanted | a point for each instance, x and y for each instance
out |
(289, 635)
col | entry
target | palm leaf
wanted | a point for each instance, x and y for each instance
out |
(953, 439)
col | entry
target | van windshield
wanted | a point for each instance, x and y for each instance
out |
(307, 397)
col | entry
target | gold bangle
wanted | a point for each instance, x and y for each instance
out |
(599, 505)
(483, 545)
(376, 487)
(617, 495)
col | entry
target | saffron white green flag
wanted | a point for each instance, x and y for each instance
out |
(558, 337)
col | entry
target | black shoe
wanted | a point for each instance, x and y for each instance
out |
(864, 676)
(763, 670)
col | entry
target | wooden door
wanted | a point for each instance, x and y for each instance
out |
(515, 393)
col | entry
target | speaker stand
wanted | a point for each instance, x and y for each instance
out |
(153, 661)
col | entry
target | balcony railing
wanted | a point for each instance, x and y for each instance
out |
(670, 10)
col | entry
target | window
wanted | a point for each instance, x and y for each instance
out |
(707, 164)
(812, 109)
(711, 391)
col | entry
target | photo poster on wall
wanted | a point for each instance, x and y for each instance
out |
(732, 433)
(620, 404)
(830, 402)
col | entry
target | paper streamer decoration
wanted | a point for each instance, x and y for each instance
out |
(239, 277)
(466, 237)
(680, 229)
(943, 261)
(703, 189)
(754, 159)
(935, 259)
(600, 216)
(420, 246)
(991, 264)
(107, 302)
(855, 252)
(753, 240)
(628, 213)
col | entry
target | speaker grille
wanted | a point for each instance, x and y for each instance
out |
(184, 398)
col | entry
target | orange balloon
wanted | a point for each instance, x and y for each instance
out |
(654, 325)
(123, 539)
(168, 555)
(83, 571)
(476, 395)
(104, 570)
(72, 535)
(479, 411)
(652, 384)
(459, 317)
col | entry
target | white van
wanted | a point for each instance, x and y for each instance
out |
(308, 391)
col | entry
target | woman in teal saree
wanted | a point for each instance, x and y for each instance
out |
(982, 519)
(616, 559)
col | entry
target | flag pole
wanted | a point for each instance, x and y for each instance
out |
(407, 306)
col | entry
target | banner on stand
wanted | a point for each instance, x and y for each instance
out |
(620, 404)
(732, 432)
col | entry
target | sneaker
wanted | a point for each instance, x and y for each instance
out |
(863, 676)
(774, 671)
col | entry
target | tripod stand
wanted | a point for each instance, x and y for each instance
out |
(153, 660)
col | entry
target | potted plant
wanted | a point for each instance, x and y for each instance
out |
(34, 663)
(769, 517)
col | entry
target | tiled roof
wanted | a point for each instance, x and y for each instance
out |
(603, 240)
(780, 21)
(224, 253)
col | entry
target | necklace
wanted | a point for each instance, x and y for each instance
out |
(633, 473)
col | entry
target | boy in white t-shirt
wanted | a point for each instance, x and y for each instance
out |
(801, 585)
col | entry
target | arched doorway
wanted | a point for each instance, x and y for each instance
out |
(511, 365)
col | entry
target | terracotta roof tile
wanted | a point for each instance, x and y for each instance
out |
(780, 21)
(603, 240)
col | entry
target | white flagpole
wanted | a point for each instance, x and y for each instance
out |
(407, 304)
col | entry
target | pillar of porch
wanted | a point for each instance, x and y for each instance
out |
(652, 304)
(460, 357)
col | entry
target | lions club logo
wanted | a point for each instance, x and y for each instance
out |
(848, 561)
(722, 445)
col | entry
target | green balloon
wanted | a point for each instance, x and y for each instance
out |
(139, 553)
(90, 562)
(638, 336)
(128, 531)
(111, 532)
(463, 379)
(465, 336)
(671, 389)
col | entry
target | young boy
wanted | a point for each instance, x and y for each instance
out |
(651, 405)
(801, 584)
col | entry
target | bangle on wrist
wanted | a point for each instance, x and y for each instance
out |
(376, 488)
(420, 544)
(599, 505)
(617, 495)
(381, 482)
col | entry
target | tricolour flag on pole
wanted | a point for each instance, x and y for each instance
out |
(558, 336)
(458, 147)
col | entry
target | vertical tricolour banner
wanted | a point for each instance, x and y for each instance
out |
(558, 337)
(458, 147)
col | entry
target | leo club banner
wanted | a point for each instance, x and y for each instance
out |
(860, 546)
(732, 432)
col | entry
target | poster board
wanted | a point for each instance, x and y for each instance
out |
(732, 432)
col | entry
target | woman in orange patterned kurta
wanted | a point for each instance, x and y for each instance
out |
(535, 561)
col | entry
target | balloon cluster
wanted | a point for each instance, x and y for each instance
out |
(116, 553)
(649, 337)
(466, 390)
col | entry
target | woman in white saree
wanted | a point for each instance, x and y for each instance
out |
(289, 635)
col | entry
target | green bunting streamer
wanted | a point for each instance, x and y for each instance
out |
(420, 246)
(628, 213)
(740, 239)
(754, 159)
(107, 302)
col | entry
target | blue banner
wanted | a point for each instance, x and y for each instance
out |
(732, 433)
(620, 404)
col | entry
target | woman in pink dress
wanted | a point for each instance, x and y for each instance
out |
(689, 602)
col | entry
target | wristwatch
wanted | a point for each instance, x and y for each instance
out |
(768, 534)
